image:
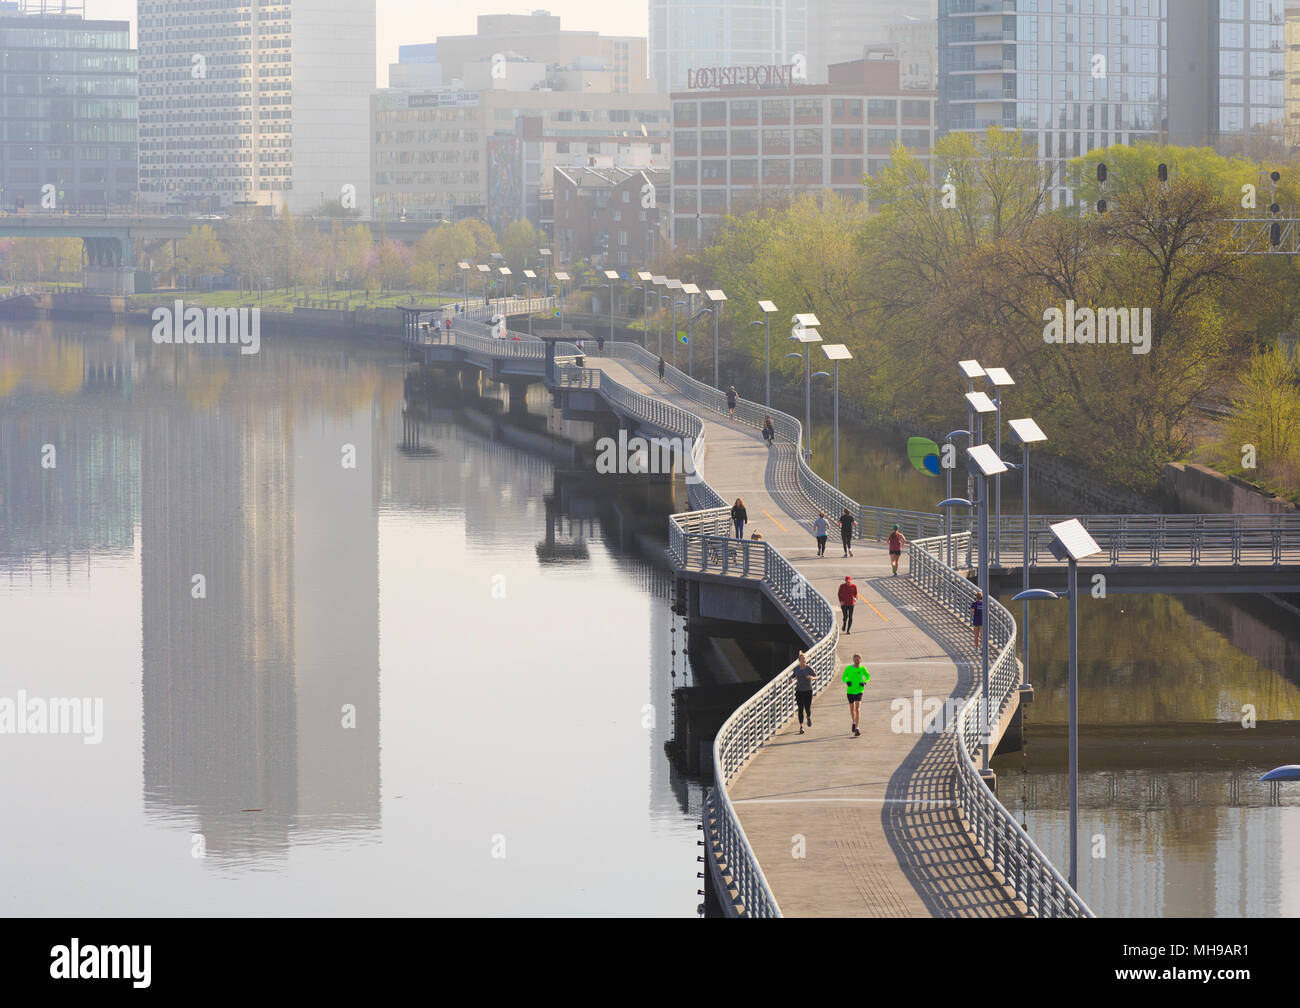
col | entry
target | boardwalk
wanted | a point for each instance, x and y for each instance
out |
(880, 834)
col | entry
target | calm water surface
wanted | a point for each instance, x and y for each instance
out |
(394, 693)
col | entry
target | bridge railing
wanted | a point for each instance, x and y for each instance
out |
(873, 522)
(1152, 540)
(698, 541)
(1027, 870)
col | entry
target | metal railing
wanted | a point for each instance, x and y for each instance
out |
(20, 290)
(1152, 540)
(1010, 850)
(872, 522)
(697, 540)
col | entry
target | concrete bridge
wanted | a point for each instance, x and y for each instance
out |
(901, 821)
(109, 239)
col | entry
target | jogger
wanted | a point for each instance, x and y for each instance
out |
(731, 401)
(802, 677)
(848, 599)
(820, 528)
(855, 680)
(846, 532)
(896, 543)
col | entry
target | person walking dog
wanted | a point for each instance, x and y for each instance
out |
(738, 517)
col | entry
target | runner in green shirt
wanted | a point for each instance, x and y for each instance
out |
(855, 678)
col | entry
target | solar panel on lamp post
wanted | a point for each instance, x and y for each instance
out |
(987, 464)
(836, 352)
(1025, 432)
(561, 278)
(529, 275)
(804, 331)
(947, 472)
(646, 280)
(690, 290)
(970, 370)
(999, 379)
(717, 297)
(1072, 543)
(768, 309)
(611, 276)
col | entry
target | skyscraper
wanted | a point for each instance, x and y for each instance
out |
(257, 101)
(685, 34)
(67, 111)
(1076, 75)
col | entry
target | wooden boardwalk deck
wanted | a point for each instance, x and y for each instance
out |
(872, 816)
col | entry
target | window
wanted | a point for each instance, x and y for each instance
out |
(713, 172)
(776, 111)
(916, 110)
(744, 142)
(627, 196)
(776, 141)
(685, 142)
(745, 171)
(879, 108)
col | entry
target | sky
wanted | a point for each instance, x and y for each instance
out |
(404, 22)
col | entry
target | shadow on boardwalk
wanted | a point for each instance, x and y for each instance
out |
(920, 818)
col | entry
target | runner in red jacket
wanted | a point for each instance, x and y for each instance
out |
(848, 598)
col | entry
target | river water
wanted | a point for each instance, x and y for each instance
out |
(391, 692)
(366, 652)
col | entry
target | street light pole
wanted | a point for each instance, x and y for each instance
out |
(717, 297)
(1000, 379)
(768, 309)
(947, 473)
(1026, 432)
(690, 290)
(836, 352)
(988, 464)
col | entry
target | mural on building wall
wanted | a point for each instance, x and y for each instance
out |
(505, 191)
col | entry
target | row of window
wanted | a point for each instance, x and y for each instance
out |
(780, 110)
(798, 141)
(21, 152)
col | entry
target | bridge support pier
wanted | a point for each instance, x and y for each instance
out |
(518, 395)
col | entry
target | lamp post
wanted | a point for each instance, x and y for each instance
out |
(485, 270)
(1070, 542)
(690, 290)
(1025, 433)
(664, 299)
(999, 379)
(546, 254)
(805, 332)
(611, 276)
(947, 474)
(464, 280)
(505, 288)
(767, 308)
(674, 286)
(717, 297)
(529, 275)
(561, 278)
(836, 352)
(659, 281)
(988, 464)
(970, 370)
(646, 280)
(676, 305)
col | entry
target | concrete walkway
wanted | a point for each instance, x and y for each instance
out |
(850, 826)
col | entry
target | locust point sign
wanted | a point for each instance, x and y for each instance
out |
(772, 75)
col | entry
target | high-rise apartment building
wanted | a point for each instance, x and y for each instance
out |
(691, 34)
(538, 38)
(1076, 75)
(67, 111)
(256, 101)
(1291, 78)
(839, 29)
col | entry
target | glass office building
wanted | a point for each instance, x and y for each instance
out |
(1076, 75)
(687, 34)
(67, 112)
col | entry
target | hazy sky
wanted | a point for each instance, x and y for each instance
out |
(402, 22)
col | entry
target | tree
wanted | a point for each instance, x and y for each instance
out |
(1268, 416)
(519, 244)
(200, 253)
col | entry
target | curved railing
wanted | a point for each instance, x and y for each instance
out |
(699, 541)
(1027, 870)
(873, 522)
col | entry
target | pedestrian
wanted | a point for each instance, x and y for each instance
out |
(738, 517)
(662, 368)
(855, 683)
(846, 532)
(820, 528)
(803, 677)
(977, 616)
(769, 432)
(600, 345)
(848, 599)
(731, 402)
(896, 543)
